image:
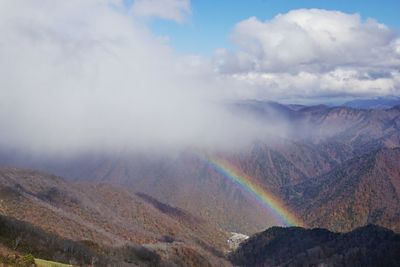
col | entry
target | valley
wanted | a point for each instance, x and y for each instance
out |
(179, 205)
(198, 133)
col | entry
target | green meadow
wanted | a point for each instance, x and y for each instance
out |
(44, 263)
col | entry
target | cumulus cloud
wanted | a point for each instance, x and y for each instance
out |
(314, 52)
(177, 10)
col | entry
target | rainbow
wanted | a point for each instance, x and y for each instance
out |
(261, 195)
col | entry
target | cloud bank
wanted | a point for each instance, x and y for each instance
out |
(313, 52)
(88, 75)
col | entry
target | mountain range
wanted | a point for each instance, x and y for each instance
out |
(320, 143)
(374, 103)
(332, 167)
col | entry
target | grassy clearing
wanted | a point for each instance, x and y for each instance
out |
(43, 263)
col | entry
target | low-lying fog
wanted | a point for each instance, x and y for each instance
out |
(88, 77)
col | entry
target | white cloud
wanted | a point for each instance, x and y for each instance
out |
(313, 52)
(177, 10)
(86, 75)
(303, 85)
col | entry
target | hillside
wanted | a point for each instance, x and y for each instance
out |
(368, 246)
(363, 190)
(108, 217)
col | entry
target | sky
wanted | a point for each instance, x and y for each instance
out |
(210, 23)
(151, 74)
(241, 38)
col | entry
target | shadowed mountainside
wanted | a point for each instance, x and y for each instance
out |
(368, 246)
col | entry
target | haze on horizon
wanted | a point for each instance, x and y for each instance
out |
(92, 75)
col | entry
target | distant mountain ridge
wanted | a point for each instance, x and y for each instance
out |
(374, 103)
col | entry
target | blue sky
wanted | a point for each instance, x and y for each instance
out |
(211, 21)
